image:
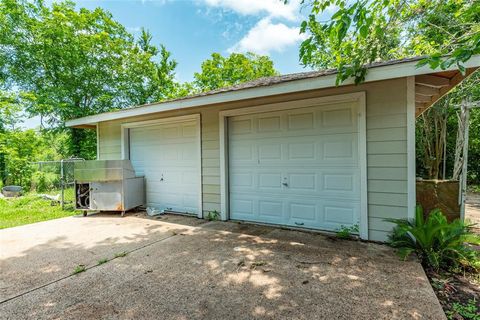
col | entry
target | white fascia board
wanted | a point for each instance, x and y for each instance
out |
(374, 74)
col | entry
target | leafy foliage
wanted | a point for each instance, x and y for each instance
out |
(60, 62)
(428, 138)
(467, 311)
(66, 63)
(439, 244)
(346, 232)
(365, 31)
(79, 62)
(18, 149)
(213, 215)
(219, 71)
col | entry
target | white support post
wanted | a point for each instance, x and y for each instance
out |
(411, 167)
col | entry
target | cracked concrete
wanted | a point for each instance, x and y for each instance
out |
(185, 268)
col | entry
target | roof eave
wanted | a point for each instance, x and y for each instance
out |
(393, 71)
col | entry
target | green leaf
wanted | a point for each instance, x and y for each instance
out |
(364, 31)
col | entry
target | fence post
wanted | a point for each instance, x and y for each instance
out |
(62, 185)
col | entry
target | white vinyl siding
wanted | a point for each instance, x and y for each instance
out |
(386, 103)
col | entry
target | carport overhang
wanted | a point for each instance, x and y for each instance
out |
(429, 86)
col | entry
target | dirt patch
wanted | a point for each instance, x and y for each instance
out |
(453, 288)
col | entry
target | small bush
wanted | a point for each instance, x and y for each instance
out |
(346, 232)
(213, 215)
(439, 244)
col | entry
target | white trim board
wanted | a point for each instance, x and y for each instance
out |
(125, 144)
(411, 167)
(359, 97)
(392, 71)
(97, 127)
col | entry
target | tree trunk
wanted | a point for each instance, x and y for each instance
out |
(434, 133)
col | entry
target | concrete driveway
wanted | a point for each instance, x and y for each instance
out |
(184, 268)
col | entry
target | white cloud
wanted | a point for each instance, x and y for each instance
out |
(273, 8)
(266, 36)
(134, 29)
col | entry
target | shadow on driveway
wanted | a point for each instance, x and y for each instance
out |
(184, 268)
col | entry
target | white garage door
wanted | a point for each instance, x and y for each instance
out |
(298, 167)
(168, 156)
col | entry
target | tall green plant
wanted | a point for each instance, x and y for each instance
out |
(438, 243)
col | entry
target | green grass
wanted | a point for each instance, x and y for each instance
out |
(474, 188)
(79, 269)
(28, 209)
(121, 254)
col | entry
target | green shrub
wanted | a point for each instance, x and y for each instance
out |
(439, 244)
(466, 311)
(45, 181)
(213, 215)
(346, 232)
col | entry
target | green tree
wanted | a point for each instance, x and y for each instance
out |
(429, 128)
(365, 31)
(219, 71)
(10, 109)
(78, 62)
(19, 149)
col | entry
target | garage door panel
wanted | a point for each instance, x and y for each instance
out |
(269, 151)
(331, 150)
(302, 150)
(168, 156)
(304, 121)
(324, 183)
(300, 121)
(337, 118)
(270, 208)
(336, 213)
(242, 151)
(336, 182)
(303, 211)
(241, 179)
(302, 182)
(340, 147)
(243, 207)
(296, 167)
(189, 130)
(269, 124)
(241, 126)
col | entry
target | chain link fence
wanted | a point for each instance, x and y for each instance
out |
(55, 179)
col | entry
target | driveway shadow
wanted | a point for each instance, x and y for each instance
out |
(225, 270)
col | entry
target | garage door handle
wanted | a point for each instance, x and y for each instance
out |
(299, 223)
(285, 184)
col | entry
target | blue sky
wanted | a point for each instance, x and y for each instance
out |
(193, 29)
